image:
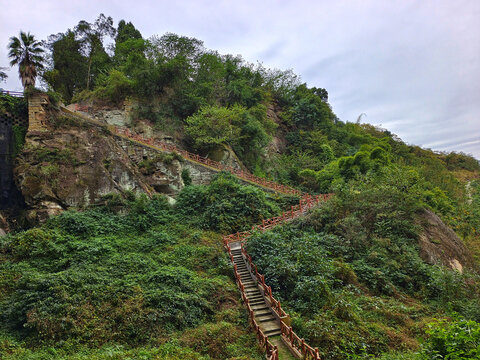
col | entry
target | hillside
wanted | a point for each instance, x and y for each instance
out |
(116, 247)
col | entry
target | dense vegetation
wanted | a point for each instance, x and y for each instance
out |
(129, 277)
(15, 107)
(352, 275)
(133, 277)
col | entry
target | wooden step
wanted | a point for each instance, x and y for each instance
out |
(271, 333)
(256, 302)
(263, 312)
(264, 319)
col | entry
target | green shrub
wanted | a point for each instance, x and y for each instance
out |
(115, 87)
(187, 179)
(126, 274)
(225, 205)
(458, 339)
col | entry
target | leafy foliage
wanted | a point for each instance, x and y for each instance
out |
(225, 205)
(3, 75)
(135, 272)
(26, 52)
(246, 130)
(458, 339)
(339, 269)
(127, 272)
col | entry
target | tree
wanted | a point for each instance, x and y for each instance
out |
(26, 52)
(3, 75)
(172, 45)
(69, 69)
(213, 125)
(91, 37)
(129, 44)
(126, 31)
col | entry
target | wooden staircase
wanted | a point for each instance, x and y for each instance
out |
(262, 312)
(270, 322)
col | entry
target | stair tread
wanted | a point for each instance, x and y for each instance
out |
(261, 320)
(272, 327)
(256, 302)
(262, 313)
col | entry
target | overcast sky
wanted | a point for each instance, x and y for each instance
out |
(412, 67)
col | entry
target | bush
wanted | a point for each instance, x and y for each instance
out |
(114, 87)
(458, 339)
(225, 205)
(127, 273)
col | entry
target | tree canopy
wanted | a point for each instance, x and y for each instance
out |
(26, 52)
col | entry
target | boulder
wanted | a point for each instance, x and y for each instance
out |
(440, 245)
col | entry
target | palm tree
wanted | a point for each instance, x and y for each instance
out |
(27, 53)
(3, 75)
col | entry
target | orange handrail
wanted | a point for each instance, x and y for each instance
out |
(293, 340)
(306, 202)
(208, 162)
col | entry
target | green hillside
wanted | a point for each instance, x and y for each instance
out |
(370, 274)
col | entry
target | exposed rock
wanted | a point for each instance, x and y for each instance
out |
(72, 168)
(165, 174)
(113, 117)
(225, 155)
(278, 143)
(3, 226)
(441, 246)
(75, 163)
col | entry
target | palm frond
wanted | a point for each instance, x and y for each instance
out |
(26, 52)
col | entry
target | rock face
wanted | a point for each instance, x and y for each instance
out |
(113, 117)
(3, 226)
(163, 171)
(75, 165)
(72, 168)
(71, 162)
(441, 246)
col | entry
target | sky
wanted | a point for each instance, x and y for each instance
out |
(411, 66)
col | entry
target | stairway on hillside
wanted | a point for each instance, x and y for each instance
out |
(263, 314)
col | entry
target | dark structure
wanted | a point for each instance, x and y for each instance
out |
(9, 195)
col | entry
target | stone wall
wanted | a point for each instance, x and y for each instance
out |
(37, 114)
